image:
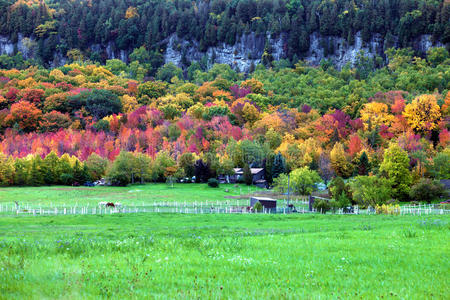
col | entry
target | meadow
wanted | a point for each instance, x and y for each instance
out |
(147, 193)
(161, 256)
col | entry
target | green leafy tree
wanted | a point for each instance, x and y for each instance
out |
(36, 174)
(186, 162)
(96, 166)
(99, 103)
(21, 167)
(440, 169)
(6, 170)
(152, 90)
(119, 174)
(143, 164)
(168, 71)
(51, 168)
(162, 161)
(427, 190)
(395, 167)
(370, 190)
(304, 180)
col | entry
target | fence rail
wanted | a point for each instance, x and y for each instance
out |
(204, 207)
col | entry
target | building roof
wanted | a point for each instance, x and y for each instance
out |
(264, 199)
(446, 183)
(254, 171)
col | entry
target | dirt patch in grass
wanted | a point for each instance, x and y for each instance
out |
(72, 189)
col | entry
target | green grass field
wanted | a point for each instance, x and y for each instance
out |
(147, 193)
(167, 256)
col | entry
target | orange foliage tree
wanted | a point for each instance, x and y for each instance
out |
(25, 114)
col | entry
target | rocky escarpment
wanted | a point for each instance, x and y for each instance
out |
(250, 47)
(247, 50)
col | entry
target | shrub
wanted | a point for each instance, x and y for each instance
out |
(322, 205)
(337, 187)
(343, 200)
(119, 179)
(388, 209)
(66, 179)
(370, 190)
(213, 182)
(258, 207)
(426, 190)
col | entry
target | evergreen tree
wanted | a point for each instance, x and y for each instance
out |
(374, 138)
(247, 174)
(279, 165)
(364, 164)
(36, 176)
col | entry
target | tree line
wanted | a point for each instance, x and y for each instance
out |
(76, 25)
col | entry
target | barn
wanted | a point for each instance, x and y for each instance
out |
(268, 204)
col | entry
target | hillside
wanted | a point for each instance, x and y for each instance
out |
(238, 33)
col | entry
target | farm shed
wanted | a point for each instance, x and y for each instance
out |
(267, 203)
(257, 175)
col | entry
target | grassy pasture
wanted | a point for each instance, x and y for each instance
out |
(166, 256)
(147, 193)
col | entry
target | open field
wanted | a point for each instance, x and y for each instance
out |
(224, 256)
(147, 193)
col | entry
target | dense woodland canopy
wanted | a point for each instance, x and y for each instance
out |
(386, 125)
(67, 26)
(81, 121)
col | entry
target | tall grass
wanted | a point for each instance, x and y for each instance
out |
(224, 256)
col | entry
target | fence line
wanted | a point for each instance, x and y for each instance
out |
(196, 207)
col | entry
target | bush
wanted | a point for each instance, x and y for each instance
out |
(212, 182)
(258, 207)
(389, 209)
(336, 186)
(426, 190)
(66, 179)
(322, 205)
(371, 190)
(119, 179)
(343, 200)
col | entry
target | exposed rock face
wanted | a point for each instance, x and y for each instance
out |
(344, 53)
(6, 46)
(247, 51)
(250, 47)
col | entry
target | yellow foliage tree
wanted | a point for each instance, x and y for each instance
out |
(377, 113)
(131, 12)
(256, 86)
(423, 113)
(57, 74)
(339, 161)
(250, 113)
(129, 103)
(196, 110)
